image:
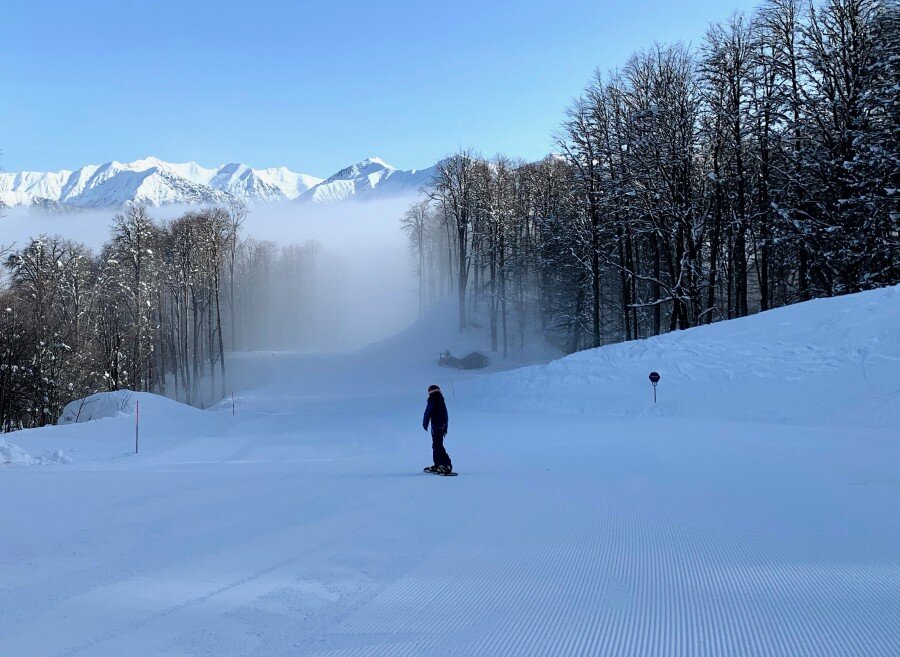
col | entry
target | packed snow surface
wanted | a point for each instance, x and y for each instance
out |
(751, 512)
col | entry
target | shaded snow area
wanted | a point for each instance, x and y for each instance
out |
(751, 512)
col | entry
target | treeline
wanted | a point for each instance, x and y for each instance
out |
(155, 310)
(756, 170)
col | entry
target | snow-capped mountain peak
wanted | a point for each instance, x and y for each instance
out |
(157, 182)
(367, 179)
(362, 169)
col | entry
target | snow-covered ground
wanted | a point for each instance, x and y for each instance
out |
(752, 511)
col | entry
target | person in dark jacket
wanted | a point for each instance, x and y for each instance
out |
(436, 414)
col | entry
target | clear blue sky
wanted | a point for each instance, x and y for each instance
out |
(309, 85)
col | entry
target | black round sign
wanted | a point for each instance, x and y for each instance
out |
(654, 378)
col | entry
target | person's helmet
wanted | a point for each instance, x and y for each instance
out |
(433, 388)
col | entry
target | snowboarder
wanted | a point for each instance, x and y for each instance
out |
(436, 415)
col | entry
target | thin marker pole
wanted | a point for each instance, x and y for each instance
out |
(232, 403)
(137, 424)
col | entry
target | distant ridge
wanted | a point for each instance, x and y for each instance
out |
(156, 182)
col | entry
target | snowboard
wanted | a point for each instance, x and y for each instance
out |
(441, 474)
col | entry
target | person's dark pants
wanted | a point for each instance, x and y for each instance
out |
(441, 457)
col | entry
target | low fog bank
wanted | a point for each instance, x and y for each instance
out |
(20, 224)
(362, 288)
(354, 287)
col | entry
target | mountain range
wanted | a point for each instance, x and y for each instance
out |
(155, 182)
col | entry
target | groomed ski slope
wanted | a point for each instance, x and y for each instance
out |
(751, 512)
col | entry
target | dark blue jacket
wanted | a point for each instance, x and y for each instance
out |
(436, 412)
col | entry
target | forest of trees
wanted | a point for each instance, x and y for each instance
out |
(756, 170)
(156, 309)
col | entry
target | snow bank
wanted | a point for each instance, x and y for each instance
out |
(820, 362)
(120, 403)
(13, 455)
(101, 426)
(98, 406)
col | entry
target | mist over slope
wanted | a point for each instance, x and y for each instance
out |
(362, 289)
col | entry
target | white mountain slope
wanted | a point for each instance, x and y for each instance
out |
(368, 178)
(155, 182)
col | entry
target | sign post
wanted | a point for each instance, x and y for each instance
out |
(654, 379)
